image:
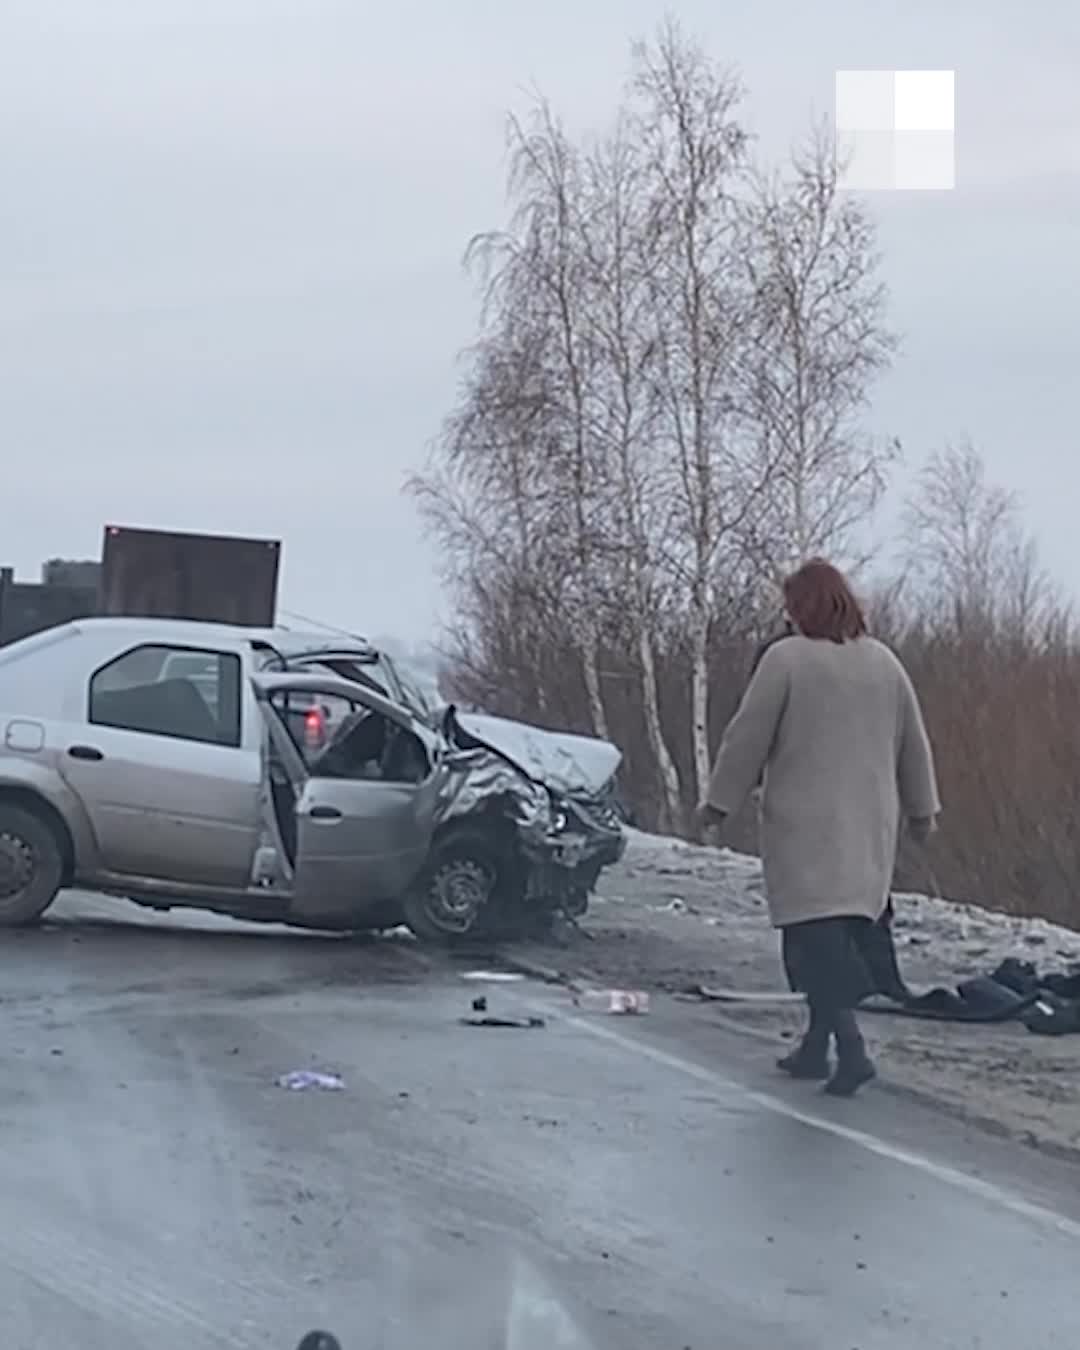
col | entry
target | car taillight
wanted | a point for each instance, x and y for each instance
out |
(314, 727)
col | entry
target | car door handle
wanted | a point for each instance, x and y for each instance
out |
(324, 813)
(85, 752)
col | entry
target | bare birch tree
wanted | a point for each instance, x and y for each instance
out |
(619, 278)
(818, 340)
(694, 148)
(660, 411)
(536, 269)
(971, 563)
(485, 498)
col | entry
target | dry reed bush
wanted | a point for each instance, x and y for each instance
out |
(1003, 720)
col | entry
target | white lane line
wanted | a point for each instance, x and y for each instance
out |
(942, 1172)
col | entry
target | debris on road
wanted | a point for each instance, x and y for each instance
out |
(621, 1002)
(1020, 1076)
(1052, 1015)
(302, 1079)
(714, 994)
(493, 976)
(526, 1023)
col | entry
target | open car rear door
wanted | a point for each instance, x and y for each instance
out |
(365, 806)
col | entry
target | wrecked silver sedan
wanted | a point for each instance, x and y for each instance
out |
(169, 763)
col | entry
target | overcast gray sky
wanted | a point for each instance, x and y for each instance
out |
(230, 236)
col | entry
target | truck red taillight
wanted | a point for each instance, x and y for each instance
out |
(314, 727)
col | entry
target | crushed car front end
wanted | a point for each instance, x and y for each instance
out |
(556, 791)
(527, 819)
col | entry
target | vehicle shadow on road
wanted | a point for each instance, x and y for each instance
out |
(158, 953)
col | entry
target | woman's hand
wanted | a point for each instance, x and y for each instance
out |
(708, 820)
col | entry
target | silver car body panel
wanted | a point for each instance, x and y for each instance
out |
(182, 812)
(179, 810)
(358, 840)
(35, 772)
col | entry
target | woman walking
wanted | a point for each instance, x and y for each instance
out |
(831, 717)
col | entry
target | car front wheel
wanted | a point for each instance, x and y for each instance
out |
(31, 866)
(451, 900)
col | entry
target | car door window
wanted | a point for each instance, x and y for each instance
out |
(160, 690)
(354, 742)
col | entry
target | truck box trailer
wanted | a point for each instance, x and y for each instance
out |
(204, 577)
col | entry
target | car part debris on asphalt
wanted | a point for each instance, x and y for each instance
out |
(493, 976)
(621, 1002)
(302, 1079)
(525, 1023)
(701, 993)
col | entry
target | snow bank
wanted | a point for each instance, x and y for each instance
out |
(957, 934)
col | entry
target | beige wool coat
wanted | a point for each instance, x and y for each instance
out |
(837, 729)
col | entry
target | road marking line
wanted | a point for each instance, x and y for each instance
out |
(949, 1176)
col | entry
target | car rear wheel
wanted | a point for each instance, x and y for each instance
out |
(31, 866)
(452, 899)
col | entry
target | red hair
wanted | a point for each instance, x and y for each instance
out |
(822, 604)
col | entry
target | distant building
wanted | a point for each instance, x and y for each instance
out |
(68, 590)
(84, 573)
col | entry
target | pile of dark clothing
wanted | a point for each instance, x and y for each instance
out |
(1048, 1004)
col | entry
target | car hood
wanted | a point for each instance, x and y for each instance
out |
(573, 765)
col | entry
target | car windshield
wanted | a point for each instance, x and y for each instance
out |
(415, 697)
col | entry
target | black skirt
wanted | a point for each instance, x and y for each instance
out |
(838, 962)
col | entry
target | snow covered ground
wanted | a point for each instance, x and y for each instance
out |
(676, 915)
(958, 939)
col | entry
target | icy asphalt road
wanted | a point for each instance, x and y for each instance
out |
(648, 1177)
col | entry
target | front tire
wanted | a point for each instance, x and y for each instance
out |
(452, 899)
(31, 866)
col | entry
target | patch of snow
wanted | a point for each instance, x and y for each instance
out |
(960, 936)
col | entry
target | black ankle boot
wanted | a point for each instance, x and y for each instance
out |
(854, 1067)
(810, 1058)
(810, 1062)
(851, 1076)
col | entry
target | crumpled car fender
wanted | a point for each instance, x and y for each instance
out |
(475, 777)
